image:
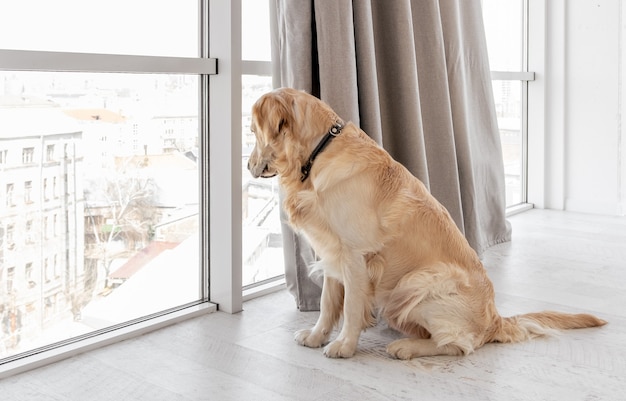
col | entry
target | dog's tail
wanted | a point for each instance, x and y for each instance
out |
(523, 327)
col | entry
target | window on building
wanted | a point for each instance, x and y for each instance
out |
(28, 192)
(9, 195)
(50, 153)
(29, 232)
(29, 275)
(129, 214)
(46, 269)
(10, 279)
(45, 189)
(27, 155)
(505, 27)
(55, 266)
(10, 232)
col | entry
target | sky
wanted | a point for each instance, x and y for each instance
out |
(142, 27)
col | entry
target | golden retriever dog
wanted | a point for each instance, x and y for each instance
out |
(386, 247)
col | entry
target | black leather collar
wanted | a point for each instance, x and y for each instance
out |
(334, 131)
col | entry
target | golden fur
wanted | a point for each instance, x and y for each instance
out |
(385, 245)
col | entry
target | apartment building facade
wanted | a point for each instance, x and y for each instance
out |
(42, 274)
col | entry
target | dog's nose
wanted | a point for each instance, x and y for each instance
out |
(248, 164)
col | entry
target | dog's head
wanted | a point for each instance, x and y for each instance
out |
(287, 125)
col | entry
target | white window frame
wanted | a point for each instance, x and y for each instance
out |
(225, 155)
(548, 78)
(260, 68)
(220, 37)
(524, 76)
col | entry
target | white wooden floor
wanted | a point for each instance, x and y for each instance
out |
(557, 260)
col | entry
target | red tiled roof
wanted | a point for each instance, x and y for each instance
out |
(96, 115)
(166, 160)
(141, 258)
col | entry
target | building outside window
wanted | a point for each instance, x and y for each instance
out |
(119, 237)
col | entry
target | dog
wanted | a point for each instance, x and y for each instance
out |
(386, 246)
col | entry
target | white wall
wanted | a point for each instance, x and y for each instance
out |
(576, 146)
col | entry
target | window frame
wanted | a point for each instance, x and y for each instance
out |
(261, 68)
(220, 36)
(524, 76)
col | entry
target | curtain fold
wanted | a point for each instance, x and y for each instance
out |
(414, 75)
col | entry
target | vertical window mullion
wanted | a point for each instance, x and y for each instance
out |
(204, 114)
(525, 10)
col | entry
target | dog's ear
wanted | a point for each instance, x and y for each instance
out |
(281, 107)
(274, 113)
(280, 125)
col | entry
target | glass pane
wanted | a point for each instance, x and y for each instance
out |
(255, 26)
(99, 202)
(508, 100)
(141, 27)
(262, 239)
(503, 27)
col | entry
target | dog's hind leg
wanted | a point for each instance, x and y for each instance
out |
(407, 348)
(331, 305)
(439, 300)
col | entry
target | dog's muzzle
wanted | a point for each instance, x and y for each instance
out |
(258, 172)
(266, 173)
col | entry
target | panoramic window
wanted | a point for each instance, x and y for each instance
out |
(505, 23)
(101, 220)
(121, 242)
(262, 238)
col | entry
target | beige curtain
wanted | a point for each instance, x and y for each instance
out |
(414, 75)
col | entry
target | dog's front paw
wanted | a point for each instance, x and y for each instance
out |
(340, 349)
(310, 338)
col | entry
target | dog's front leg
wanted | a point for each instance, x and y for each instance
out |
(357, 309)
(331, 305)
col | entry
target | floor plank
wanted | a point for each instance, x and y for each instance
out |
(557, 260)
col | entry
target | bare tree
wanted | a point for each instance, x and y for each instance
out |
(121, 212)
